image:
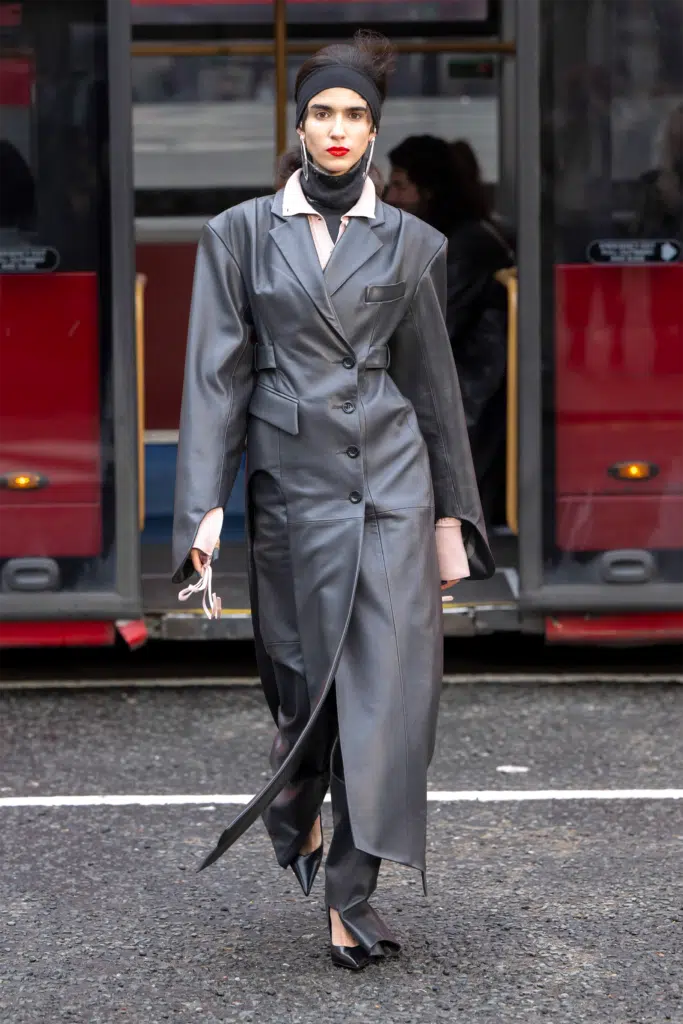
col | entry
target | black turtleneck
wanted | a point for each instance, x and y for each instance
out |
(333, 195)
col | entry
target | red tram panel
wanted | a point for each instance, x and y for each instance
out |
(49, 395)
(619, 382)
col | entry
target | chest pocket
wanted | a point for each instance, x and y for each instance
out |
(385, 292)
(275, 408)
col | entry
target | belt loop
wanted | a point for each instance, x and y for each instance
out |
(379, 359)
(264, 357)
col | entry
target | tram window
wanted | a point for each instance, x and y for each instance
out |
(613, 133)
(480, 15)
(203, 126)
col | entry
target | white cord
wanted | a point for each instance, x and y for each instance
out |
(211, 603)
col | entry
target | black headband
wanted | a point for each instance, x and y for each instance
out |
(338, 76)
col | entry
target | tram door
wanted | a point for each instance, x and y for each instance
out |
(68, 489)
(601, 324)
(212, 91)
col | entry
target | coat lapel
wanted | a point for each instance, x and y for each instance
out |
(357, 245)
(294, 240)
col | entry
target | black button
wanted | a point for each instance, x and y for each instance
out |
(355, 497)
(353, 451)
(348, 407)
(348, 363)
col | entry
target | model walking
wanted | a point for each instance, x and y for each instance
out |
(317, 335)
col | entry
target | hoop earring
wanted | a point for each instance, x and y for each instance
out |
(304, 158)
(369, 160)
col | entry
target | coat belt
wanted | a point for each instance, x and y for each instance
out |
(264, 357)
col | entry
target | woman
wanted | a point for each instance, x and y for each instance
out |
(428, 182)
(332, 359)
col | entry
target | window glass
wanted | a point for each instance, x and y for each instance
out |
(355, 12)
(204, 126)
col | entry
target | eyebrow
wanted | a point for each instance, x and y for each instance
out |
(326, 106)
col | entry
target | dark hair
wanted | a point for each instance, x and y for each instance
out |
(370, 53)
(451, 197)
(468, 182)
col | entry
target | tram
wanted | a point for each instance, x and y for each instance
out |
(575, 111)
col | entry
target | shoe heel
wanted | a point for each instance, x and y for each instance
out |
(306, 865)
(353, 958)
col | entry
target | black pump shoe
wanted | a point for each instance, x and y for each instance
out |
(305, 866)
(354, 958)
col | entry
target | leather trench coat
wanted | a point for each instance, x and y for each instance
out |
(343, 386)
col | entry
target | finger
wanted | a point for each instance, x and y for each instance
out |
(445, 584)
(198, 558)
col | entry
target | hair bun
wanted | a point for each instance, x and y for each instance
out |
(378, 49)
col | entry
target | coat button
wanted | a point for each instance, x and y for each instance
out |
(355, 497)
(353, 451)
(348, 362)
(348, 407)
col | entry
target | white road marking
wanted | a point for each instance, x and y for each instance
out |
(487, 796)
(512, 769)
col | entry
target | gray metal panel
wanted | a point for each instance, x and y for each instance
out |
(529, 322)
(92, 605)
(123, 310)
(506, 192)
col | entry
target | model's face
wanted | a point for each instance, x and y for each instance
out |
(337, 129)
(404, 193)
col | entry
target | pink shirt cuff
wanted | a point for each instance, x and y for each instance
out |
(209, 531)
(453, 564)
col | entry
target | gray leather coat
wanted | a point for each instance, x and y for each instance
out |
(343, 385)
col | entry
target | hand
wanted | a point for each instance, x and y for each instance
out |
(199, 560)
(445, 584)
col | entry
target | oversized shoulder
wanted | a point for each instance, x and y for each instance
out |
(421, 242)
(235, 225)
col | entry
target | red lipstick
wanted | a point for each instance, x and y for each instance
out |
(337, 151)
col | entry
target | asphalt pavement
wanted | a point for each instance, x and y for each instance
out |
(544, 909)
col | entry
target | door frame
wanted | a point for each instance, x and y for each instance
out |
(124, 599)
(535, 594)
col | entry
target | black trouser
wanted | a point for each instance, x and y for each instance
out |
(350, 874)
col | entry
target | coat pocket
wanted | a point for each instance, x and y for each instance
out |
(385, 292)
(275, 408)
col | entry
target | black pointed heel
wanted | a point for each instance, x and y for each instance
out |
(306, 865)
(354, 958)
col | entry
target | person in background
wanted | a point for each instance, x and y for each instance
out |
(427, 182)
(467, 170)
(660, 212)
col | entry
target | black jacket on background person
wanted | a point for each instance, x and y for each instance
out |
(476, 319)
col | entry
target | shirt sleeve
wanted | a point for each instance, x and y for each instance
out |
(209, 531)
(450, 549)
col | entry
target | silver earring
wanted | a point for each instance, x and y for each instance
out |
(304, 158)
(371, 151)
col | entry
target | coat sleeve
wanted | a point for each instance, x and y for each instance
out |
(216, 392)
(422, 367)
